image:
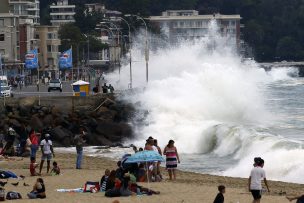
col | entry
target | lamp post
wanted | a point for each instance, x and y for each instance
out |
(130, 51)
(146, 44)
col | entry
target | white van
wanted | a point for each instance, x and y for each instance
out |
(6, 90)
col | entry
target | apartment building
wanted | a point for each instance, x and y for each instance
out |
(10, 43)
(47, 43)
(188, 24)
(95, 7)
(62, 13)
(26, 9)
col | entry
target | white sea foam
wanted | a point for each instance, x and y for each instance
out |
(201, 95)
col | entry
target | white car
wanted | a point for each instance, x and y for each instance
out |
(55, 84)
(6, 91)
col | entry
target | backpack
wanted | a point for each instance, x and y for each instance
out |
(91, 186)
(13, 195)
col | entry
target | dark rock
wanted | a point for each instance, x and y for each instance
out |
(36, 123)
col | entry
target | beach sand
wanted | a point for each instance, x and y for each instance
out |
(190, 187)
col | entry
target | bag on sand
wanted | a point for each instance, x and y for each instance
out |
(91, 186)
(13, 195)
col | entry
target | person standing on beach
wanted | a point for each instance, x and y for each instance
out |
(172, 158)
(34, 138)
(254, 183)
(47, 152)
(220, 196)
(158, 163)
(79, 142)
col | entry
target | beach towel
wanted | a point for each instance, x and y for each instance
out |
(77, 190)
(91, 186)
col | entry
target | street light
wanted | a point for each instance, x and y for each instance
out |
(146, 45)
(130, 50)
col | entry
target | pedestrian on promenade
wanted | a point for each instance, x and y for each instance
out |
(254, 183)
(79, 141)
(105, 88)
(111, 89)
(47, 152)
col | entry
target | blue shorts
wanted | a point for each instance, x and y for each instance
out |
(47, 157)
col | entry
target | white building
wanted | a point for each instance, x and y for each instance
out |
(188, 24)
(62, 13)
(9, 44)
(26, 9)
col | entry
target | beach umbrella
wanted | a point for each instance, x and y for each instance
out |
(145, 157)
(7, 175)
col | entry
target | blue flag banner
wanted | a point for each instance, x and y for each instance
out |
(31, 59)
(66, 60)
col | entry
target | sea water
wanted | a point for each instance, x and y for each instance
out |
(221, 111)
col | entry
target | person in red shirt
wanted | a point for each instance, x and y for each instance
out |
(34, 138)
(33, 167)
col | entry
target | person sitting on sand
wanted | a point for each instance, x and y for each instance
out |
(172, 158)
(254, 182)
(220, 196)
(38, 191)
(300, 199)
(125, 186)
(104, 180)
(141, 173)
(111, 180)
(33, 167)
(55, 170)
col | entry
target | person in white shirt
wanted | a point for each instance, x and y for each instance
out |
(254, 183)
(47, 152)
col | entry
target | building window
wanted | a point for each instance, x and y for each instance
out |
(50, 35)
(50, 61)
(232, 23)
(1, 22)
(2, 52)
(49, 48)
(36, 36)
(2, 37)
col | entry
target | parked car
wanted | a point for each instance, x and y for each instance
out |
(6, 91)
(55, 84)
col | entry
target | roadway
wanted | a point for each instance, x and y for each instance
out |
(31, 90)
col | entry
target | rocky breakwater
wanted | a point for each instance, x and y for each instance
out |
(106, 118)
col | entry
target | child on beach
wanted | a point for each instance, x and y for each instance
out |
(220, 196)
(55, 170)
(33, 167)
(254, 183)
(104, 180)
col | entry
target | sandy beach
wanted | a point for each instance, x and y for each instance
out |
(190, 187)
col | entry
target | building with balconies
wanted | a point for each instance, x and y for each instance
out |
(26, 9)
(47, 43)
(62, 13)
(188, 24)
(10, 44)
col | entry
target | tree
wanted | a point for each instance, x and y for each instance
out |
(288, 48)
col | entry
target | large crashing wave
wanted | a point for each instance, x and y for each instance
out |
(204, 97)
